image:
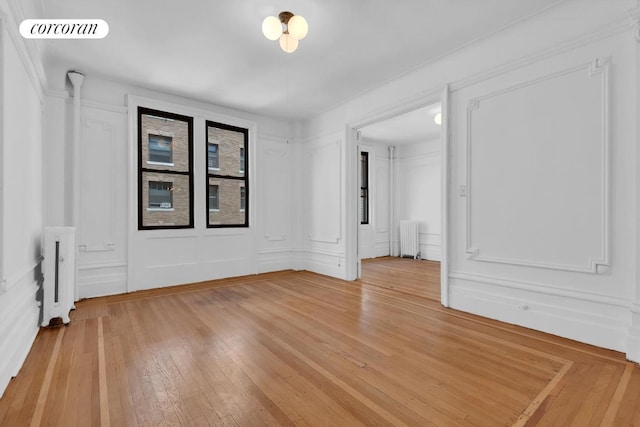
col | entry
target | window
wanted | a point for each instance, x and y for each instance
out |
(213, 161)
(160, 150)
(165, 170)
(160, 195)
(364, 188)
(230, 185)
(214, 203)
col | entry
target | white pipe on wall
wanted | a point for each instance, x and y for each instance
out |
(392, 200)
(76, 79)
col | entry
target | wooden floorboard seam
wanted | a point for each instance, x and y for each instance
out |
(102, 378)
(535, 403)
(46, 384)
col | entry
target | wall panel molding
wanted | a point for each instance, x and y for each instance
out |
(275, 194)
(98, 201)
(325, 164)
(598, 260)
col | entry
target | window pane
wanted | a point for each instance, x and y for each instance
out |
(164, 140)
(166, 199)
(229, 144)
(214, 200)
(364, 188)
(213, 161)
(160, 149)
(230, 177)
(165, 158)
(229, 203)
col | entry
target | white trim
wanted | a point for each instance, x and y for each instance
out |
(160, 209)
(587, 317)
(599, 66)
(541, 288)
(149, 162)
(27, 50)
(610, 30)
(413, 102)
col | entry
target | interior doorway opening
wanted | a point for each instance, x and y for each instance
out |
(401, 161)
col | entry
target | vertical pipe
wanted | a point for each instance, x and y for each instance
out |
(392, 200)
(76, 79)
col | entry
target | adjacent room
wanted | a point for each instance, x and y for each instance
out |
(308, 212)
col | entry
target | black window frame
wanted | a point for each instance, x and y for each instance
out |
(364, 187)
(142, 169)
(211, 173)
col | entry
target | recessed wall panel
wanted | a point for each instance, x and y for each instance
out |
(537, 171)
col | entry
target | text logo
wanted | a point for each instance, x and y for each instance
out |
(64, 29)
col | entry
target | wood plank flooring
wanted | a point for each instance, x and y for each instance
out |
(297, 348)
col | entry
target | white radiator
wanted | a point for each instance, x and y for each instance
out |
(409, 239)
(59, 273)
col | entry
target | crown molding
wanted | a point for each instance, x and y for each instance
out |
(11, 14)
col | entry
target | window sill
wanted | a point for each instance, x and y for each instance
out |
(149, 162)
(214, 169)
(214, 210)
(160, 210)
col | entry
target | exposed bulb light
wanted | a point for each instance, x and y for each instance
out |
(287, 27)
(298, 27)
(271, 28)
(437, 119)
(288, 43)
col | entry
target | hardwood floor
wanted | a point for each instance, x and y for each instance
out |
(297, 348)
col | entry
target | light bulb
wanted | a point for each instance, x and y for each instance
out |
(271, 28)
(288, 43)
(298, 27)
(438, 118)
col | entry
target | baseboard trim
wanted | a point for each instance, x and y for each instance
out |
(593, 319)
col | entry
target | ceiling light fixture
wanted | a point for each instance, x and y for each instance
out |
(287, 27)
(438, 118)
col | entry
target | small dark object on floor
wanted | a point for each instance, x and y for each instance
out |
(56, 322)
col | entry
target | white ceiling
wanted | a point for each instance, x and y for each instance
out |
(214, 50)
(414, 126)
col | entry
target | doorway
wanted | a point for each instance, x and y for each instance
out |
(401, 161)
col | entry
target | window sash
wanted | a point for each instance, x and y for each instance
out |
(227, 137)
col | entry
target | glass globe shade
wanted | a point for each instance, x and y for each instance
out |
(438, 118)
(298, 27)
(288, 43)
(271, 28)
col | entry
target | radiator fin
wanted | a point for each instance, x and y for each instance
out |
(409, 239)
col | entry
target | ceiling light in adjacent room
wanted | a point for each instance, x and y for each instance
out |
(437, 119)
(287, 27)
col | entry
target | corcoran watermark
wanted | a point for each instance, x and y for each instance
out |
(64, 29)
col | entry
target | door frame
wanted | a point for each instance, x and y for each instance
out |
(353, 257)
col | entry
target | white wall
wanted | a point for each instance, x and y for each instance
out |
(21, 95)
(115, 257)
(543, 141)
(418, 193)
